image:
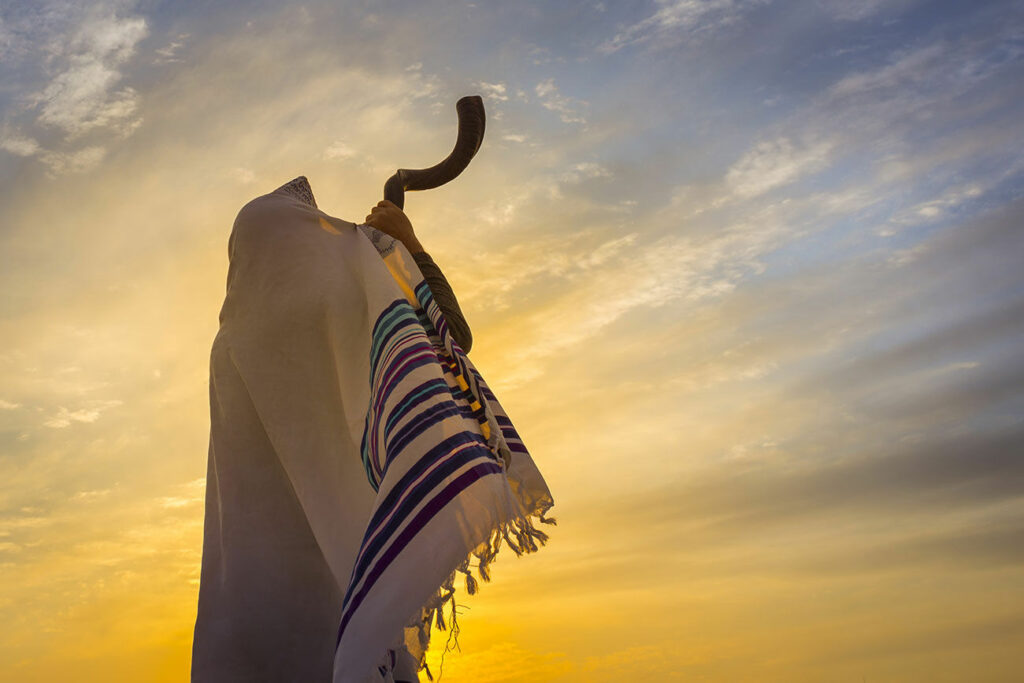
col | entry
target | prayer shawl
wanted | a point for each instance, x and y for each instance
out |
(357, 458)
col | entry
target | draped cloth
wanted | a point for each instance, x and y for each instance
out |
(358, 461)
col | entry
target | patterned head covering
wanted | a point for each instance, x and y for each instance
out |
(300, 189)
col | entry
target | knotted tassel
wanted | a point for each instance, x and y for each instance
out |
(538, 534)
(470, 581)
(511, 544)
(441, 626)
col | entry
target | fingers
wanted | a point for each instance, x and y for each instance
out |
(382, 206)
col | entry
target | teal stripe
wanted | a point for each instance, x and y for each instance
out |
(385, 324)
(403, 315)
(399, 411)
(400, 338)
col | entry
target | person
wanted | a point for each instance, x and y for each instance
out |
(387, 217)
(357, 459)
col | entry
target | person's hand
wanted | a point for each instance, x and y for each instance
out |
(391, 220)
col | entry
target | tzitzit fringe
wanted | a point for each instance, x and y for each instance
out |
(520, 535)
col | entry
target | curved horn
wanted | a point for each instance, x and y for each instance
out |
(471, 134)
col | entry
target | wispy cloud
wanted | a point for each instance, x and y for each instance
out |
(85, 51)
(677, 20)
(856, 10)
(19, 145)
(78, 161)
(340, 149)
(92, 495)
(775, 163)
(84, 94)
(494, 91)
(907, 70)
(64, 417)
(566, 107)
(168, 54)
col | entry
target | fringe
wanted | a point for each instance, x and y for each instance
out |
(527, 537)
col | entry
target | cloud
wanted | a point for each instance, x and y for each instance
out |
(858, 10)
(566, 107)
(494, 91)
(775, 163)
(179, 501)
(340, 150)
(82, 96)
(652, 274)
(68, 121)
(908, 69)
(64, 417)
(938, 474)
(78, 161)
(972, 632)
(7, 405)
(169, 53)
(20, 145)
(585, 170)
(193, 493)
(967, 335)
(91, 495)
(914, 91)
(981, 546)
(676, 20)
(576, 174)
(243, 176)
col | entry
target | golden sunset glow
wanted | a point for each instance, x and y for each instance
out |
(745, 275)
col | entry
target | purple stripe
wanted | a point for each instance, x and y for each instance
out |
(393, 345)
(410, 361)
(391, 376)
(395, 327)
(427, 513)
(367, 540)
(425, 419)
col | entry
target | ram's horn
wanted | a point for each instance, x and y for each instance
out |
(471, 134)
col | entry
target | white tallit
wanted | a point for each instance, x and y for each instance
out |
(357, 459)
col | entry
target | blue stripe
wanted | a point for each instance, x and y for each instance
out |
(409, 366)
(423, 517)
(433, 415)
(373, 456)
(416, 495)
(387, 317)
(398, 338)
(411, 400)
(431, 456)
(364, 450)
(387, 335)
(401, 317)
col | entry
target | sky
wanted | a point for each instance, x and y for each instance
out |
(744, 273)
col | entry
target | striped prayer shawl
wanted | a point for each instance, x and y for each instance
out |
(452, 476)
(358, 462)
